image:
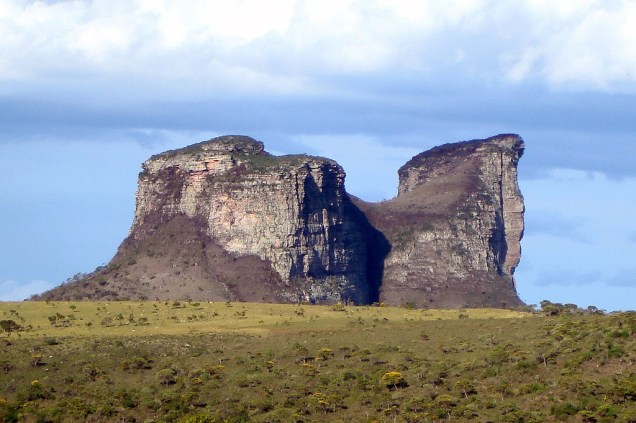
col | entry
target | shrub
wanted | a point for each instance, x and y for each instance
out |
(59, 320)
(607, 410)
(197, 418)
(107, 321)
(127, 397)
(338, 307)
(36, 390)
(444, 404)
(167, 376)
(9, 413)
(36, 360)
(615, 350)
(137, 363)
(309, 369)
(466, 387)
(564, 409)
(78, 408)
(551, 309)
(394, 380)
(6, 366)
(51, 341)
(215, 371)
(10, 326)
(625, 387)
(325, 353)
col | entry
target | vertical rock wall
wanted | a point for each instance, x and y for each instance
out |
(290, 211)
(224, 220)
(463, 214)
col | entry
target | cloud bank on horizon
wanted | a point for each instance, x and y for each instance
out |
(91, 88)
(298, 47)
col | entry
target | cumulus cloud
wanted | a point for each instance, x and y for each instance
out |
(580, 45)
(295, 45)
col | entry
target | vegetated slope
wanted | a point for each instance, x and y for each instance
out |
(176, 260)
(266, 362)
(224, 219)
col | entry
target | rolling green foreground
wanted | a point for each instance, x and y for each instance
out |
(239, 362)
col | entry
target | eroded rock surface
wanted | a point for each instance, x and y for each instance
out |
(225, 220)
(455, 226)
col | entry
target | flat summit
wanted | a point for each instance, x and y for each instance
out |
(225, 220)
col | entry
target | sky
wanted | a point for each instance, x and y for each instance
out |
(90, 89)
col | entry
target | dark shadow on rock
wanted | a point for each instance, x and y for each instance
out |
(377, 248)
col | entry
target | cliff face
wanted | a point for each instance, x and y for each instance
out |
(290, 211)
(224, 220)
(455, 226)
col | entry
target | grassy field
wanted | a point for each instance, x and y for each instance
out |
(239, 362)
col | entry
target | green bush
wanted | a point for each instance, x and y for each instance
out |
(167, 376)
(564, 409)
(394, 380)
(197, 418)
(10, 326)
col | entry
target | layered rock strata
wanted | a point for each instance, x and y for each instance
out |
(225, 220)
(455, 227)
(291, 211)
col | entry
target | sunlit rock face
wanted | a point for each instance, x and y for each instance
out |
(225, 220)
(291, 211)
(455, 227)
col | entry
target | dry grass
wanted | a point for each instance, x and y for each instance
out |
(236, 362)
(183, 317)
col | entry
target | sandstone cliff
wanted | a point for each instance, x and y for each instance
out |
(290, 214)
(225, 220)
(455, 227)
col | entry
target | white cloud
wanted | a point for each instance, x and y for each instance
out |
(580, 45)
(598, 51)
(101, 40)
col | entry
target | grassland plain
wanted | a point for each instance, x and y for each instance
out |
(238, 362)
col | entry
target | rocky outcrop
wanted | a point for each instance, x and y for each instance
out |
(225, 220)
(455, 226)
(291, 212)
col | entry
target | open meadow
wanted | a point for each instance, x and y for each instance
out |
(190, 361)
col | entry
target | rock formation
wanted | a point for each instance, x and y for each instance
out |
(455, 227)
(225, 220)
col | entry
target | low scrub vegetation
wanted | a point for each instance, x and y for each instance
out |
(234, 362)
